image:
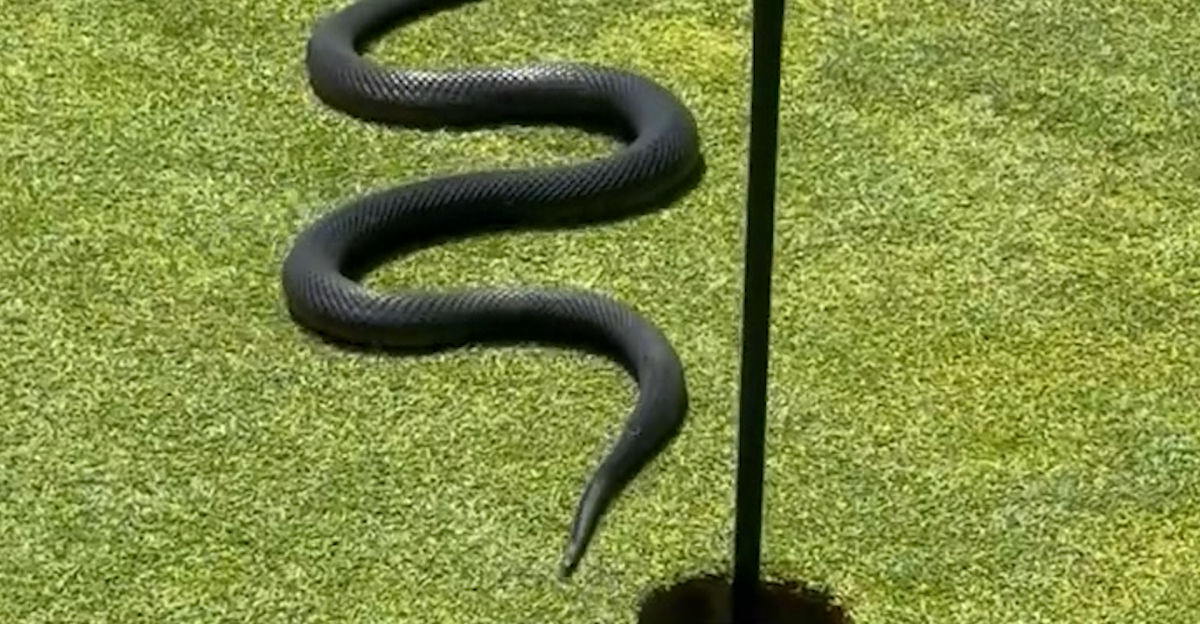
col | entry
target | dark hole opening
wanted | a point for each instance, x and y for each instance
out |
(707, 600)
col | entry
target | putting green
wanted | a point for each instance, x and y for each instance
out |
(986, 364)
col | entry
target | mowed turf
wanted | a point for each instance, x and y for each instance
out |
(986, 347)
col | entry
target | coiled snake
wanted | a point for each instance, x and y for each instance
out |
(659, 160)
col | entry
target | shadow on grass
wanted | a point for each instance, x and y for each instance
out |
(706, 599)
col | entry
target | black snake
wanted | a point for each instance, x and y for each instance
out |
(658, 162)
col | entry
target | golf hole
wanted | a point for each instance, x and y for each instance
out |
(707, 599)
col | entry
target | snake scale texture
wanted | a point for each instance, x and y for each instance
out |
(658, 160)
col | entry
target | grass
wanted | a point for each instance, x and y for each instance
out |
(986, 365)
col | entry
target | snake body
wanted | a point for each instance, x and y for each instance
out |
(658, 160)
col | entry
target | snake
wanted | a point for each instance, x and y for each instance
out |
(656, 160)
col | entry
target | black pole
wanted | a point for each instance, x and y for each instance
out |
(756, 307)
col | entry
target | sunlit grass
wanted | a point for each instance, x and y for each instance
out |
(986, 346)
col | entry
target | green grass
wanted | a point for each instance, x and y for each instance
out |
(986, 365)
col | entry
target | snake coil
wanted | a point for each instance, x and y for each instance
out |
(659, 161)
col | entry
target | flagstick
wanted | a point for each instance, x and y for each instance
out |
(760, 216)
